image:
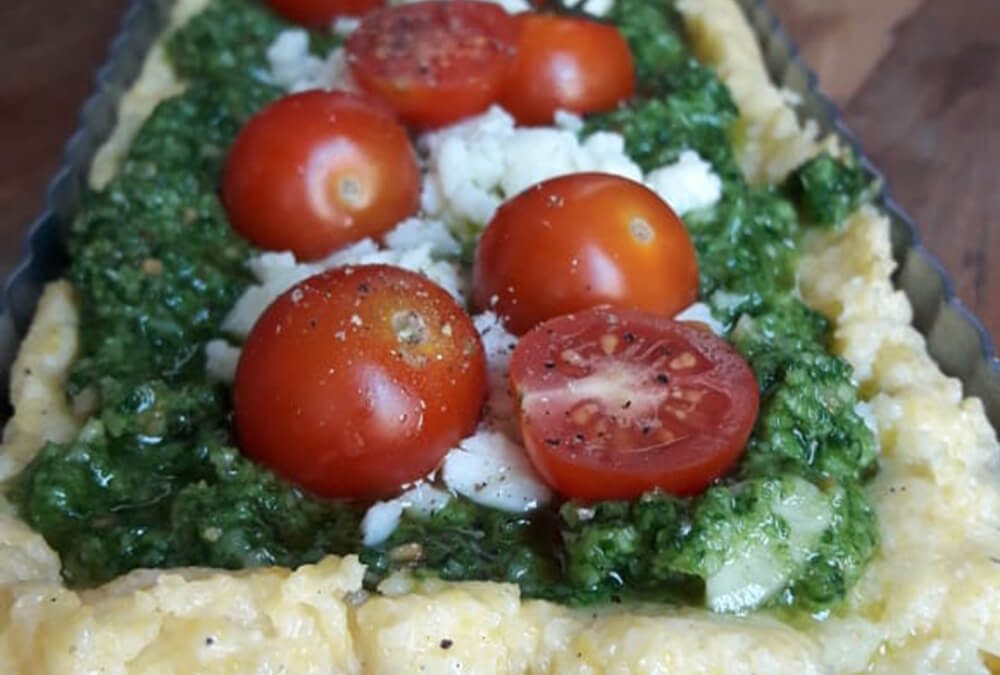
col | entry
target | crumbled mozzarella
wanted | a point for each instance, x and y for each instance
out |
(414, 232)
(382, 518)
(755, 571)
(220, 360)
(701, 313)
(492, 470)
(592, 7)
(687, 184)
(473, 166)
(598, 7)
(498, 344)
(564, 119)
(476, 164)
(277, 272)
(345, 25)
(293, 68)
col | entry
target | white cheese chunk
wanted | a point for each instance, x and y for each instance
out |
(754, 572)
(701, 313)
(687, 184)
(382, 518)
(345, 25)
(492, 470)
(498, 344)
(292, 67)
(221, 359)
(592, 7)
(474, 165)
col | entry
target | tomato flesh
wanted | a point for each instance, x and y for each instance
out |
(613, 403)
(321, 13)
(583, 240)
(359, 380)
(434, 62)
(567, 63)
(317, 170)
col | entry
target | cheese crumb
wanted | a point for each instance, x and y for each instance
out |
(382, 518)
(294, 68)
(687, 184)
(492, 470)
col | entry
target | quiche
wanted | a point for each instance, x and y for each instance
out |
(425, 341)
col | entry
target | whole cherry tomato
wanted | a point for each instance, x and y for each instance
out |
(359, 380)
(583, 240)
(615, 402)
(567, 63)
(434, 62)
(317, 170)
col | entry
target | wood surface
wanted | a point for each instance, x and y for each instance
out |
(918, 81)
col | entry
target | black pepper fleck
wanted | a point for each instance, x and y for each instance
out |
(446, 643)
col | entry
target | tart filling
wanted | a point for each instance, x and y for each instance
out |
(792, 525)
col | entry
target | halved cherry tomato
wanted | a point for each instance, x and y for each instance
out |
(317, 170)
(570, 63)
(321, 13)
(358, 380)
(582, 240)
(434, 62)
(614, 403)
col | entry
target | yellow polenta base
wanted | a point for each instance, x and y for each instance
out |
(930, 603)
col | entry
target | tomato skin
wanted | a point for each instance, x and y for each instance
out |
(321, 13)
(317, 170)
(359, 380)
(613, 403)
(568, 63)
(583, 240)
(434, 62)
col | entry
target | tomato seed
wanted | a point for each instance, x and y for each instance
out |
(685, 360)
(609, 342)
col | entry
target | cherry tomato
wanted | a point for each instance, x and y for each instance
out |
(317, 170)
(434, 62)
(321, 13)
(582, 240)
(570, 63)
(616, 402)
(358, 380)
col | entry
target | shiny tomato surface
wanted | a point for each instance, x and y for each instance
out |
(568, 63)
(318, 170)
(358, 380)
(613, 403)
(583, 240)
(321, 13)
(434, 62)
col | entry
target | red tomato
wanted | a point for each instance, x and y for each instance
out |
(434, 62)
(358, 380)
(582, 240)
(321, 13)
(318, 170)
(569, 63)
(614, 403)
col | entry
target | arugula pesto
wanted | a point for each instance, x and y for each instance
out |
(153, 478)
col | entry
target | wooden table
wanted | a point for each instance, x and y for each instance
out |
(918, 80)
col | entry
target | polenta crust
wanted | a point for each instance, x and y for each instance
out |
(930, 603)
